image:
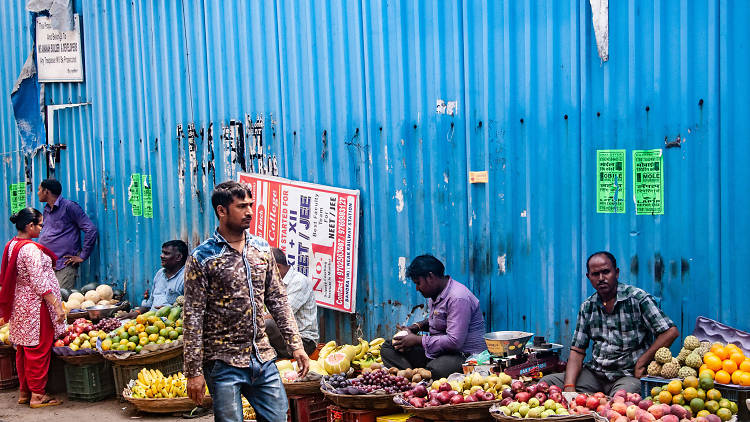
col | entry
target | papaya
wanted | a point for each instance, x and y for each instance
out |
(163, 311)
(174, 314)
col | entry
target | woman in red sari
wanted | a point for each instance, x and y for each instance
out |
(30, 300)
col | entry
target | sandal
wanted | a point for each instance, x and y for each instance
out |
(197, 412)
(46, 401)
(24, 399)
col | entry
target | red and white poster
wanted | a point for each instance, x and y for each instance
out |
(317, 227)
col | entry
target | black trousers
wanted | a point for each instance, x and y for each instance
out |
(278, 343)
(415, 357)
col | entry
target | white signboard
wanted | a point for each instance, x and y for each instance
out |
(59, 56)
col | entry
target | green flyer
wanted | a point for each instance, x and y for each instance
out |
(17, 197)
(148, 206)
(648, 182)
(610, 181)
(134, 194)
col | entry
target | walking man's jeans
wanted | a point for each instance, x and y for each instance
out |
(260, 384)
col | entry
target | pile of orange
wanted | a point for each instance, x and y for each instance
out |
(726, 365)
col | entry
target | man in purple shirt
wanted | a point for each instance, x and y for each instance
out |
(63, 222)
(455, 324)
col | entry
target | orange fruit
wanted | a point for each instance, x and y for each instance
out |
(745, 365)
(703, 368)
(729, 366)
(713, 363)
(732, 347)
(707, 372)
(665, 397)
(716, 346)
(736, 377)
(738, 358)
(745, 379)
(674, 387)
(722, 353)
(723, 377)
(713, 394)
(140, 319)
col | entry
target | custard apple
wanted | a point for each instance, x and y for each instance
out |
(686, 371)
(694, 360)
(654, 369)
(670, 370)
(682, 355)
(706, 344)
(705, 348)
(663, 355)
(676, 362)
(691, 342)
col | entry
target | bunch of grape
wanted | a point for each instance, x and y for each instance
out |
(381, 379)
(108, 324)
(337, 381)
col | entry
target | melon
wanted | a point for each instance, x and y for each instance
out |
(76, 296)
(87, 304)
(104, 291)
(73, 304)
(336, 363)
(92, 295)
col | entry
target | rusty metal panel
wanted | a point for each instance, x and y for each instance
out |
(402, 100)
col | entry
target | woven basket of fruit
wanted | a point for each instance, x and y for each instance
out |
(77, 357)
(499, 415)
(149, 354)
(178, 404)
(454, 412)
(362, 401)
(302, 388)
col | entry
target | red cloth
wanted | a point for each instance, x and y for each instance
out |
(9, 271)
(32, 363)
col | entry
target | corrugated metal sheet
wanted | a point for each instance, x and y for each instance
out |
(348, 92)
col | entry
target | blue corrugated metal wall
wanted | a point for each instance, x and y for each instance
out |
(348, 94)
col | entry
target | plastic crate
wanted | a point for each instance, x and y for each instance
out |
(337, 414)
(736, 394)
(8, 374)
(124, 373)
(89, 382)
(308, 408)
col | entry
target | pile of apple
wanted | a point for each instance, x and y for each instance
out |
(81, 334)
(522, 393)
(626, 407)
(445, 394)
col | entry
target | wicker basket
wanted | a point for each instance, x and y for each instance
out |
(77, 357)
(498, 415)
(363, 401)
(178, 404)
(143, 358)
(302, 388)
(453, 412)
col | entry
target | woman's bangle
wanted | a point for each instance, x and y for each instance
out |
(569, 385)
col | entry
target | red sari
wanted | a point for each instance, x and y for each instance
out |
(27, 276)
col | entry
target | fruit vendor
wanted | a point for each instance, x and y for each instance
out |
(169, 280)
(63, 222)
(301, 297)
(626, 328)
(228, 279)
(455, 325)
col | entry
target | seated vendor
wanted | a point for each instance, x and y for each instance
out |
(626, 327)
(169, 280)
(455, 324)
(301, 298)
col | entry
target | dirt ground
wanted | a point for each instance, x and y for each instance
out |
(75, 411)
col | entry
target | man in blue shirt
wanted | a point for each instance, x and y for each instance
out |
(169, 280)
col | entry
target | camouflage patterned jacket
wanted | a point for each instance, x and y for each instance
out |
(222, 321)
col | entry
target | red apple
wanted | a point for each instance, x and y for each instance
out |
(581, 399)
(523, 397)
(531, 389)
(419, 391)
(506, 401)
(599, 395)
(489, 396)
(634, 397)
(620, 393)
(670, 418)
(646, 417)
(516, 386)
(59, 343)
(452, 393)
(457, 399)
(656, 410)
(416, 401)
(471, 398)
(507, 393)
(541, 396)
(592, 402)
(557, 397)
(443, 397)
(645, 404)
(542, 386)
(554, 388)
(433, 403)
(445, 387)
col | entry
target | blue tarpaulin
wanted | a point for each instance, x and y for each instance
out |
(26, 99)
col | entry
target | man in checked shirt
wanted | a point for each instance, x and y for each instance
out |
(626, 327)
(228, 279)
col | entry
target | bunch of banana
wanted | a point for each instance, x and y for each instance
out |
(152, 384)
(5, 334)
(370, 353)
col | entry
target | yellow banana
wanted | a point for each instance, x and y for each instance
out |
(377, 342)
(363, 347)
